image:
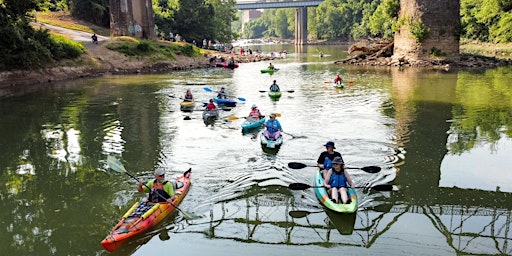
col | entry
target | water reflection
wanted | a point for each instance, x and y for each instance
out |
(443, 138)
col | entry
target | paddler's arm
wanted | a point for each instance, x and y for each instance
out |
(170, 190)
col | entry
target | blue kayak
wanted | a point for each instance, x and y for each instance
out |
(225, 102)
(250, 124)
(270, 143)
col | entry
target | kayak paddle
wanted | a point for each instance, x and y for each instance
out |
(368, 169)
(210, 90)
(117, 166)
(303, 186)
(290, 91)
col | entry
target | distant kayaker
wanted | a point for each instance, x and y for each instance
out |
(222, 94)
(337, 180)
(273, 127)
(188, 96)
(337, 79)
(210, 105)
(325, 159)
(161, 190)
(270, 66)
(255, 113)
(274, 87)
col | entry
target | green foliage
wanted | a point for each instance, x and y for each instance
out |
(437, 52)
(94, 11)
(151, 48)
(486, 20)
(383, 19)
(419, 30)
(26, 48)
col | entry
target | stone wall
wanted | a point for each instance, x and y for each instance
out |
(132, 18)
(441, 17)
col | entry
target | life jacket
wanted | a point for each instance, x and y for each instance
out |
(210, 106)
(327, 163)
(188, 97)
(338, 179)
(272, 126)
(255, 113)
(157, 193)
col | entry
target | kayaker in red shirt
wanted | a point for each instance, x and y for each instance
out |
(255, 113)
(337, 79)
(210, 105)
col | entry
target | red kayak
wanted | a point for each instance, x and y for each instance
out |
(133, 224)
(226, 65)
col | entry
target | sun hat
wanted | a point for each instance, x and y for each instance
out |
(338, 160)
(330, 144)
(254, 106)
(159, 171)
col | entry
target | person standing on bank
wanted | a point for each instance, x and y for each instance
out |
(324, 161)
(161, 190)
(337, 181)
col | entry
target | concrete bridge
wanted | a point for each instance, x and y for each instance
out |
(301, 13)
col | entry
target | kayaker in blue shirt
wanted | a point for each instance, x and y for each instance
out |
(337, 180)
(273, 127)
(324, 161)
(222, 94)
(274, 87)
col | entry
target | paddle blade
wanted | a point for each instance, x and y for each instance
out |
(371, 169)
(207, 89)
(241, 99)
(298, 214)
(298, 186)
(262, 91)
(382, 187)
(115, 164)
(295, 165)
(290, 91)
(232, 118)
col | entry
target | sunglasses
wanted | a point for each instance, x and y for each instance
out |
(161, 176)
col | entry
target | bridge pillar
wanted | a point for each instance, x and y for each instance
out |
(437, 22)
(301, 26)
(125, 15)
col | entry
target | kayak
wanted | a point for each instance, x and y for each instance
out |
(225, 65)
(250, 124)
(274, 95)
(323, 197)
(187, 105)
(210, 115)
(270, 143)
(225, 102)
(339, 86)
(270, 71)
(135, 223)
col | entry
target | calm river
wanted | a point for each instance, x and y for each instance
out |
(443, 139)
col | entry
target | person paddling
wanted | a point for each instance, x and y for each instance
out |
(274, 87)
(337, 79)
(255, 113)
(324, 161)
(337, 180)
(161, 190)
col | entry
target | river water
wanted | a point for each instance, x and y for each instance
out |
(442, 139)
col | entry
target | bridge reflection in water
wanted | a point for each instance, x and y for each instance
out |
(266, 219)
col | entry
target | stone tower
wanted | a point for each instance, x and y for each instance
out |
(428, 29)
(125, 15)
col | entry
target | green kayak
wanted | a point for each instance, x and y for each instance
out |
(274, 95)
(270, 71)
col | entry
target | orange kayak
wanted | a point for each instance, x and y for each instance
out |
(131, 225)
